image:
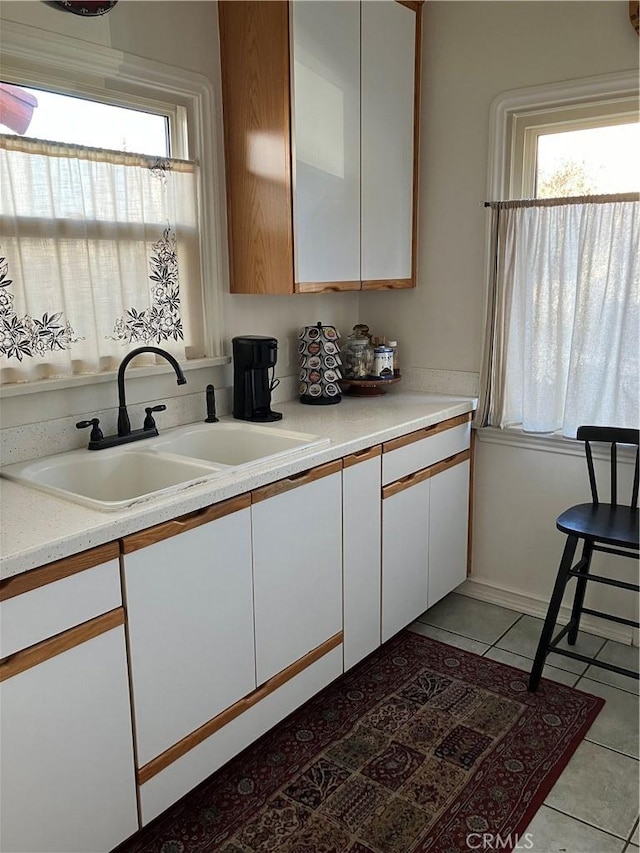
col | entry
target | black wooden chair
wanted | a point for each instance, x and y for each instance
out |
(609, 527)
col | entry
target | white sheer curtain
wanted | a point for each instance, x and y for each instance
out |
(99, 253)
(563, 321)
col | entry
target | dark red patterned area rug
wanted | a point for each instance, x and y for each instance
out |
(421, 747)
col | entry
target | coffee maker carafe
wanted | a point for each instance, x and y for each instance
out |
(253, 357)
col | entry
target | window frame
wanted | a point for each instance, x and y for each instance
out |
(57, 62)
(534, 105)
(529, 126)
(591, 92)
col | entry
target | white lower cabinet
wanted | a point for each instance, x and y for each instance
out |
(235, 615)
(405, 556)
(297, 567)
(425, 518)
(190, 615)
(66, 766)
(361, 517)
(448, 530)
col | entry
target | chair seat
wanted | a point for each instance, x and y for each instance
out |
(613, 525)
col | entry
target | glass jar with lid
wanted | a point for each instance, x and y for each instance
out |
(357, 355)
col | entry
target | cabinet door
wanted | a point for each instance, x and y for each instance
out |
(325, 72)
(297, 565)
(361, 514)
(66, 757)
(189, 605)
(388, 131)
(405, 556)
(448, 529)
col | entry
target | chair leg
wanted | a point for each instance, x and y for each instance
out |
(578, 599)
(552, 612)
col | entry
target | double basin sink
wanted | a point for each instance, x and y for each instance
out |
(118, 477)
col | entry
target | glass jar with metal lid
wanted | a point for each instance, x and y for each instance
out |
(357, 355)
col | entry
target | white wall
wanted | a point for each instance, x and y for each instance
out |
(519, 492)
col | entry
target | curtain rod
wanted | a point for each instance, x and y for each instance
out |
(553, 202)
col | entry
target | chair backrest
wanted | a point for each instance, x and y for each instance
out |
(612, 436)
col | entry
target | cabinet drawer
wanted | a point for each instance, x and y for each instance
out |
(58, 597)
(412, 453)
(159, 791)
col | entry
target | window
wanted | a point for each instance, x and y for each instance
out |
(105, 189)
(584, 149)
(41, 114)
(561, 344)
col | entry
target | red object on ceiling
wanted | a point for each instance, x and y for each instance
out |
(16, 107)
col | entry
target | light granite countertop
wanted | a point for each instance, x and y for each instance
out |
(37, 528)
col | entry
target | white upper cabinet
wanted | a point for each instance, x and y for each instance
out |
(388, 60)
(320, 118)
(325, 78)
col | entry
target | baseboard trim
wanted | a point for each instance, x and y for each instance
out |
(535, 606)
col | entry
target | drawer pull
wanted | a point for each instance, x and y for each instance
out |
(46, 649)
(418, 476)
(296, 480)
(186, 522)
(363, 455)
(199, 514)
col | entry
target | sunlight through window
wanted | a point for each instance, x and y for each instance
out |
(78, 121)
(588, 161)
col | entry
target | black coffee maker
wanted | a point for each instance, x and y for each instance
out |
(253, 357)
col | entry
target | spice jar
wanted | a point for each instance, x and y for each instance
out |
(383, 362)
(396, 360)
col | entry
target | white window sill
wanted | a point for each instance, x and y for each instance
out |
(547, 442)
(20, 388)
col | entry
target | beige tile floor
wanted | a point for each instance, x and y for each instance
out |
(586, 811)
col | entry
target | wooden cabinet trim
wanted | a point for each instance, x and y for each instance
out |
(362, 456)
(57, 570)
(326, 286)
(424, 474)
(472, 450)
(417, 6)
(156, 765)
(418, 435)
(389, 283)
(414, 5)
(43, 651)
(254, 50)
(186, 522)
(456, 459)
(405, 483)
(281, 486)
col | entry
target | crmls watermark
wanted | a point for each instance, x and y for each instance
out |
(495, 841)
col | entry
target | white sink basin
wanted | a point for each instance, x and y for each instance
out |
(109, 480)
(118, 477)
(234, 444)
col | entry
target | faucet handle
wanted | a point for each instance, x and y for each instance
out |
(96, 432)
(149, 422)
